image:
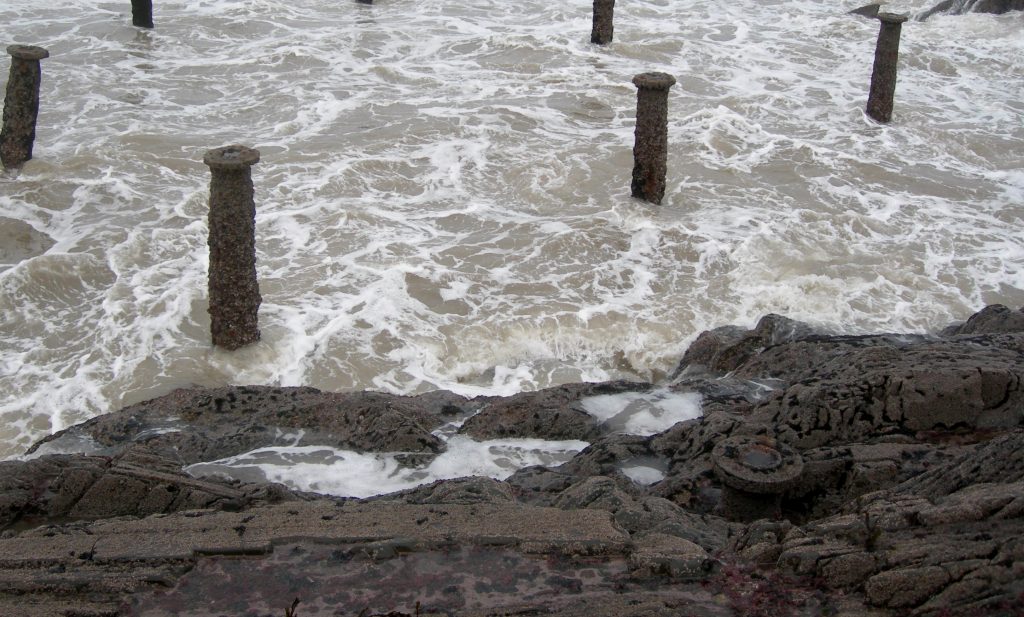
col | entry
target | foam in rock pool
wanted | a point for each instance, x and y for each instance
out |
(351, 474)
(645, 470)
(643, 413)
(643, 475)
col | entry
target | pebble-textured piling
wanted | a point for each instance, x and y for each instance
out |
(650, 149)
(604, 12)
(234, 291)
(883, 74)
(21, 104)
(142, 13)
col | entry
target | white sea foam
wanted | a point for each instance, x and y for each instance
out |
(442, 199)
(641, 474)
(643, 413)
(352, 474)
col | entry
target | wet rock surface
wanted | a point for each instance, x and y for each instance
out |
(552, 413)
(908, 499)
(204, 424)
(959, 7)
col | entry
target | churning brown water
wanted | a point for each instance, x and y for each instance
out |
(443, 196)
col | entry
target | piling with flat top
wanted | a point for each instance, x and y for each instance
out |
(650, 148)
(21, 104)
(142, 13)
(755, 472)
(883, 75)
(234, 291)
(604, 12)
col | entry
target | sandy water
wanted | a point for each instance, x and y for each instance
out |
(443, 196)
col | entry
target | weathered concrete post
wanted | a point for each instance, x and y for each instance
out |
(883, 75)
(234, 291)
(604, 12)
(142, 13)
(21, 104)
(754, 473)
(650, 148)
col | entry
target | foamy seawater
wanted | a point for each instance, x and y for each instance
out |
(353, 474)
(347, 473)
(443, 195)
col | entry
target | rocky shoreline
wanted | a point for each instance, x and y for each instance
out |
(829, 475)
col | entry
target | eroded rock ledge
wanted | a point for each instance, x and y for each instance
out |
(905, 495)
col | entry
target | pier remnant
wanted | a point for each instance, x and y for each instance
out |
(21, 104)
(754, 471)
(142, 13)
(234, 291)
(650, 148)
(604, 12)
(883, 74)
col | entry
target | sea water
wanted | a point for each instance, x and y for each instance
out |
(443, 194)
(355, 474)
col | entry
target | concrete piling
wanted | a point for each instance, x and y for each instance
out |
(234, 291)
(650, 148)
(754, 472)
(21, 104)
(142, 13)
(883, 74)
(604, 12)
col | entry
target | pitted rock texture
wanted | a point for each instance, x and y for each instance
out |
(137, 482)
(959, 7)
(993, 319)
(552, 413)
(724, 349)
(932, 544)
(1000, 459)
(911, 499)
(937, 386)
(207, 424)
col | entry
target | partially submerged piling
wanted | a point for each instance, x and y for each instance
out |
(142, 13)
(650, 148)
(234, 291)
(602, 30)
(21, 104)
(883, 74)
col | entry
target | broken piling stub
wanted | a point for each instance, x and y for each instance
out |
(21, 104)
(234, 291)
(142, 13)
(754, 471)
(603, 28)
